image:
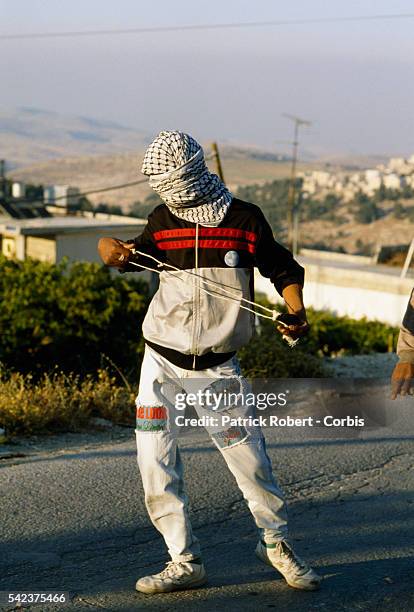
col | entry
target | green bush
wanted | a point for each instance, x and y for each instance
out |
(366, 210)
(331, 335)
(79, 317)
(268, 356)
(69, 316)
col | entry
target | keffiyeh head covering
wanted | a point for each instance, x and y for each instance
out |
(177, 171)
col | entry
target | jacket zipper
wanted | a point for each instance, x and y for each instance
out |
(196, 300)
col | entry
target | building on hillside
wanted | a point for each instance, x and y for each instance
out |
(339, 185)
(396, 164)
(317, 180)
(62, 195)
(18, 190)
(373, 181)
(410, 180)
(393, 181)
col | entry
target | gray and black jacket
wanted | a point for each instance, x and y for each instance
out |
(190, 327)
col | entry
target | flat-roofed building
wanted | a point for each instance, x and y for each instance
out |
(50, 239)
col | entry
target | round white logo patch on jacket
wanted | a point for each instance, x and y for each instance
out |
(231, 258)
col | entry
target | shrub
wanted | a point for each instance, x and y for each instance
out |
(61, 402)
(68, 316)
(331, 335)
(366, 210)
(268, 356)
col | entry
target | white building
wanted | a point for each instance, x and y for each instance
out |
(318, 180)
(18, 190)
(63, 195)
(396, 164)
(410, 180)
(52, 238)
(372, 181)
(395, 175)
(393, 181)
(322, 178)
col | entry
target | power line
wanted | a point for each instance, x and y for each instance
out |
(94, 191)
(212, 26)
(103, 189)
(84, 194)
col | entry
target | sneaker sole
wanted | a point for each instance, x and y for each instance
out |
(184, 587)
(300, 587)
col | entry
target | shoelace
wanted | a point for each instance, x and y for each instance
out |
(172, 569)
(289, 558)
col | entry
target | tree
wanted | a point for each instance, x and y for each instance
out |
(110, 209)
(381, 193)
(407, 192)
(84, 204)
(366, 210)
(399, 211)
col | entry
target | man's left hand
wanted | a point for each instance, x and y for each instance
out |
(402, 379)
(295, 328)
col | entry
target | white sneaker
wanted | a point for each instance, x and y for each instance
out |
(295, 571)
(177, 575)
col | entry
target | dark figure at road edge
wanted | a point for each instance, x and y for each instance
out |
(403, 375)
(209, 243)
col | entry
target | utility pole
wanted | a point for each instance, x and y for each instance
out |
(216, 156)
(2, 178)
(291, 192)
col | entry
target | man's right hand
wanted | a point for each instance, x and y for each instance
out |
(114, 252)
(402, 379)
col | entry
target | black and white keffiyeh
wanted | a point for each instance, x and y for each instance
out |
(177, 171)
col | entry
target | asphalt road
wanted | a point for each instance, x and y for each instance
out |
(73, 519)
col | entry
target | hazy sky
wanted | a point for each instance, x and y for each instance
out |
(355, 81)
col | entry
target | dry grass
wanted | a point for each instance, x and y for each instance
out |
(60, 402)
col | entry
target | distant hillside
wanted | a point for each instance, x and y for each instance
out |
(49, 148)
(98, 171)
(30, 135)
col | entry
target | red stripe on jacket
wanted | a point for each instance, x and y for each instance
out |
(229, 232)
(207, 244)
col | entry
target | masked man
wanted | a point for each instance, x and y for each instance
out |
(403, 374)
(206, 244)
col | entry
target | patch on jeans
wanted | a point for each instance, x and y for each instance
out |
(226, 394)
(230, 436)
(151, 418)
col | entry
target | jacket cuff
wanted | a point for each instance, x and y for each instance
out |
(406, 356)
(281, 284)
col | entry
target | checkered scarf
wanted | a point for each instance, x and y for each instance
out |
(177, 171)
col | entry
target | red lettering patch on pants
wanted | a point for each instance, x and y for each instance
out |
(151, 418)
(230, 436)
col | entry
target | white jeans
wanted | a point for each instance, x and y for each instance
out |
(243, 449)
